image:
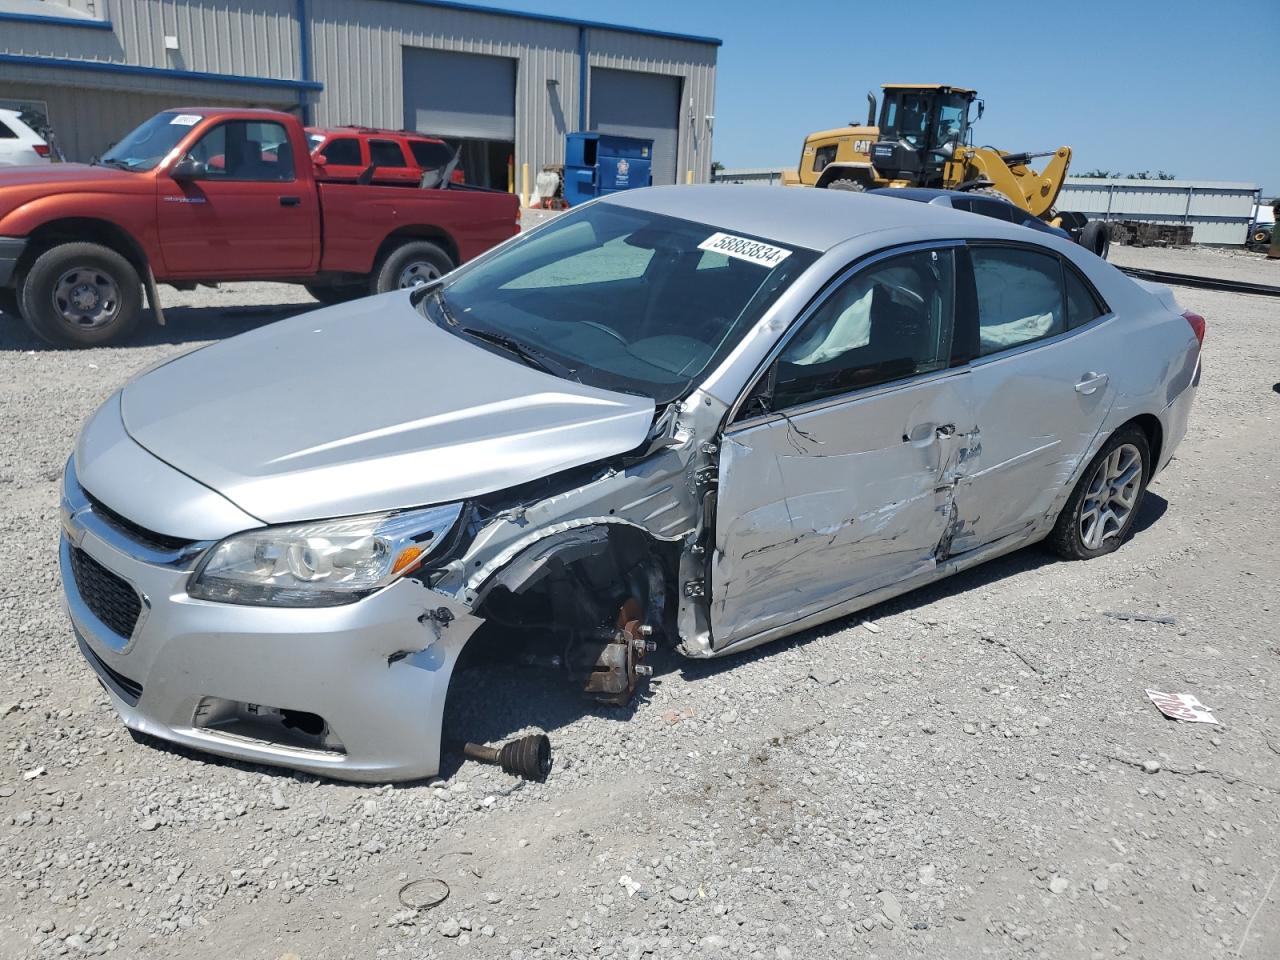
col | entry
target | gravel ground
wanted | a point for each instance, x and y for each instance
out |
(971, 770)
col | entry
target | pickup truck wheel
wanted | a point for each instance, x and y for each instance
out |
(336, 293)
(81, 295)
(410, 265)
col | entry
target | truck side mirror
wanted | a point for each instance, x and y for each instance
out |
(188, 168)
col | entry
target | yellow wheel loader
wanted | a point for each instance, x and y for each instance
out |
(924, 138)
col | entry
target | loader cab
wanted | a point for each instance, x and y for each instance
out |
(921, 128)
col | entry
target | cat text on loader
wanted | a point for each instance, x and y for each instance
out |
(924, 139)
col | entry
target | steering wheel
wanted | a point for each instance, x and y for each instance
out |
(609, 330)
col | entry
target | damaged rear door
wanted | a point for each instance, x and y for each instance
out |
(836, 473)
(1046, 353)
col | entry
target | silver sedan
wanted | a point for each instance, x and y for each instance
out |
(701, 417)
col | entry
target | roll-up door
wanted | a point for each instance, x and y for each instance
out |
(463, 95)
(645, 105)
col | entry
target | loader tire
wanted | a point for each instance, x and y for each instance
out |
(844, 183)
(81, 295)
(1096, 238)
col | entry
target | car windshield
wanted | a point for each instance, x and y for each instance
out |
(151, 142)
(620, 298)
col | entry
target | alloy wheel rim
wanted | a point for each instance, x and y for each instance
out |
(418, 273)
(86, 298)
(1112, 495)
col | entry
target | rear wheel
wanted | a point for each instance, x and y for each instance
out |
(1096, 238)
(336, 293)
(411, 265)
(81, 295)
(1100, 513)
(844, 183)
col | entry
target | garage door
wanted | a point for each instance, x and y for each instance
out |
(460, 95)
(639, 105)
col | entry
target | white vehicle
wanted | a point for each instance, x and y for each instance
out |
(19, 144)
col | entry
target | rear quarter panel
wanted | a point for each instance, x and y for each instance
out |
(1156, 356)
(357, 219)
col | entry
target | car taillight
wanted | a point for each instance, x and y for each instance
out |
(41, 148)
(1197, 324)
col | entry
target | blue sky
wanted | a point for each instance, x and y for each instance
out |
(1192, 88)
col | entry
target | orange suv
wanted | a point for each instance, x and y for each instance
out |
(397, 157)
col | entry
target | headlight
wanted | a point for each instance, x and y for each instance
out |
(323, 563)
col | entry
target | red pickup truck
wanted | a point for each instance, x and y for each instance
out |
(202, 195)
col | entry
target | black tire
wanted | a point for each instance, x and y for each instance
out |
(1096, 238)
(106, 275)
(9, 303)
(431, 260)
(844, 183)
(1066, 539)
(337, 293)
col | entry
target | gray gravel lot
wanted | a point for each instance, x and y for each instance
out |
(962, 772)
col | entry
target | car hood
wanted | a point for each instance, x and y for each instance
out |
(368, 406)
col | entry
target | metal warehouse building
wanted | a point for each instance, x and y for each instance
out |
(505, 86)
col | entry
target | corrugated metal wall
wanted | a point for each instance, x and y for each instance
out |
(94, 113)
(694, 62)
(256, 39)
(357, 54)
(1219, 212)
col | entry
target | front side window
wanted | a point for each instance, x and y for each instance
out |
(245, 150)
(342, 152)
(386, 153)
(622, 299)
(823, 156)
(1020, 297)
(890, 321)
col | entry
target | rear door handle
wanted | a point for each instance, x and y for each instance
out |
(1091, 382)
(924, 432)
(290, 201)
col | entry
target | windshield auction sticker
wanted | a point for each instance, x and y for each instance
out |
(185, 120)
(740, 248)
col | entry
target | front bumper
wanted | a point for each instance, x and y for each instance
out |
(11, 249)
(214, 676)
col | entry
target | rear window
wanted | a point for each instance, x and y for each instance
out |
(430, 156)
(386, 153)
(6, 133)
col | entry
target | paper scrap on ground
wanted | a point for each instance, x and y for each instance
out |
(1181, 706)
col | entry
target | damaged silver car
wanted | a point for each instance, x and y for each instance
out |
(701, 417)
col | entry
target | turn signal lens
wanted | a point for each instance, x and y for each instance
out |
(409, 557)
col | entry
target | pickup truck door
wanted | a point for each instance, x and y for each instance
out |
(249, 209)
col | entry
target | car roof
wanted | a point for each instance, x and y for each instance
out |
(374, 131)
(796, 216)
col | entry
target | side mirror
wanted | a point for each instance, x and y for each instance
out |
(188, 168)
(319, 160)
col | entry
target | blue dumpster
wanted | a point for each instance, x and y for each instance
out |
(600, 163)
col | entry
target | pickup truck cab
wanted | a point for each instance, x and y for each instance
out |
(201, 195)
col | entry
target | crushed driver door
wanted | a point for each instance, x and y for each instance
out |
(842, 483)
